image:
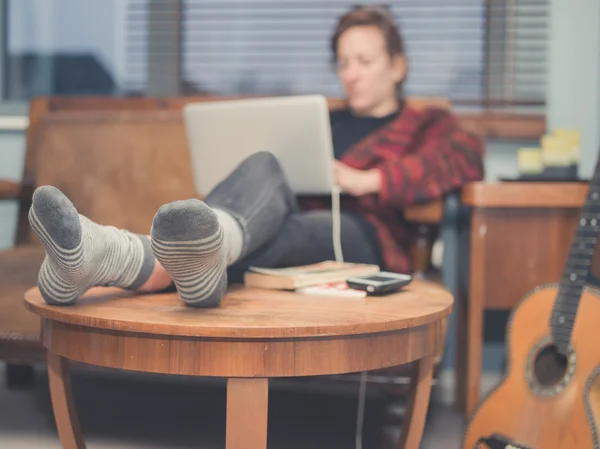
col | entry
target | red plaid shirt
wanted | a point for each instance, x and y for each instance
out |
(422, 155)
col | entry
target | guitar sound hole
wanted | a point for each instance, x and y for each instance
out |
(550, 366)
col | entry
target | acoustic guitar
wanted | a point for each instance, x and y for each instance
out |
(550, 396)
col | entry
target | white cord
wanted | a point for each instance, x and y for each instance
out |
(360, 416)
(337, 227)
(339, 257)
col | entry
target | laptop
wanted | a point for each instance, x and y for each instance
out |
(296, 129)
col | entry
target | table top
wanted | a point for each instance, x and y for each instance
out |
(251, 313)
(525, 194)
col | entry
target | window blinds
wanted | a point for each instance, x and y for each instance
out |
(479, 54)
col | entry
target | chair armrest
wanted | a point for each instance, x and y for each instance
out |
(438, 219)
(9, 190)
(429, 213)
(425, 218)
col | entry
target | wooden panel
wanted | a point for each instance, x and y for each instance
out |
(477, 288)
(252, 312)
(428, 102)
(100, 103)
(418, 405)
(333, 103)
(522, 249)
(425, 213)
(8, 190)
(238, 357)
(525, 194)
(18, 273)
(247, 417)
(63, 403)
(494, 125)
(117, 168)
(488, 125)
(38, 108)
(89, 103)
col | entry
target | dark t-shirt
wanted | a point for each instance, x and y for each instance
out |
(348, 129)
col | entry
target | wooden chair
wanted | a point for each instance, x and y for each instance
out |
(115, 168)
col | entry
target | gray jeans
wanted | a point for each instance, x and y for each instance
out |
(276, 233)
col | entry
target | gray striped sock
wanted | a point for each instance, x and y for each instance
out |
(81, 254)
(188, 240)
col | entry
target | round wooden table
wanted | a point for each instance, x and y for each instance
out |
(254, 335)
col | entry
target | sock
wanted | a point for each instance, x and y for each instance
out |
(192, 245)
(233, 236)
(81, 254)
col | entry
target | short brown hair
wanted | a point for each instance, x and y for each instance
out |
(372, 15)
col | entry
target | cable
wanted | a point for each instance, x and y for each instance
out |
(360, 416)
(336, 219)
(339, 257)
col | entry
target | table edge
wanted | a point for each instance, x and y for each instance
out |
(256, 333)
(510, 194)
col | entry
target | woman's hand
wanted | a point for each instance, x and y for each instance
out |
(356, 182)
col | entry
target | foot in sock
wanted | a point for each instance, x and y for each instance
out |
(81, 254)
(188, 240)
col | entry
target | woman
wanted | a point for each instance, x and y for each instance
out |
(388, 156)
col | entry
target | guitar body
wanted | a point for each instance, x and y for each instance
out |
(546, 400)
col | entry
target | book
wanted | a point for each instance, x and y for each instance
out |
(293, 278)
(337, 289)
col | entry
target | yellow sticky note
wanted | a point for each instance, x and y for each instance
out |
(530, 160)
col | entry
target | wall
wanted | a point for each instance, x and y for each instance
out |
(12, 154)
(573, 91)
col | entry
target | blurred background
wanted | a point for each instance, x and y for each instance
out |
(479, 54)
(515, 67)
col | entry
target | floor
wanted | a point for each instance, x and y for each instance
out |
(129, 410)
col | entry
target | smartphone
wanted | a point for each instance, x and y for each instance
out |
(379, 283)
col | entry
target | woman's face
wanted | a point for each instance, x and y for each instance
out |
(367, 72)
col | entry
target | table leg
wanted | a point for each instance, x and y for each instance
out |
(63, 405)
(474, 353)
(416, 412)
(247, 406)
(475, 310)
(460, 387)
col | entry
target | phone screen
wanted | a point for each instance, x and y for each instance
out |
(379, 278)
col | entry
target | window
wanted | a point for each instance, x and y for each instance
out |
(481, 54)
(63, 47)
(261, 47)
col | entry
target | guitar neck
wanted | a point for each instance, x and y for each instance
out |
(577, 267)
